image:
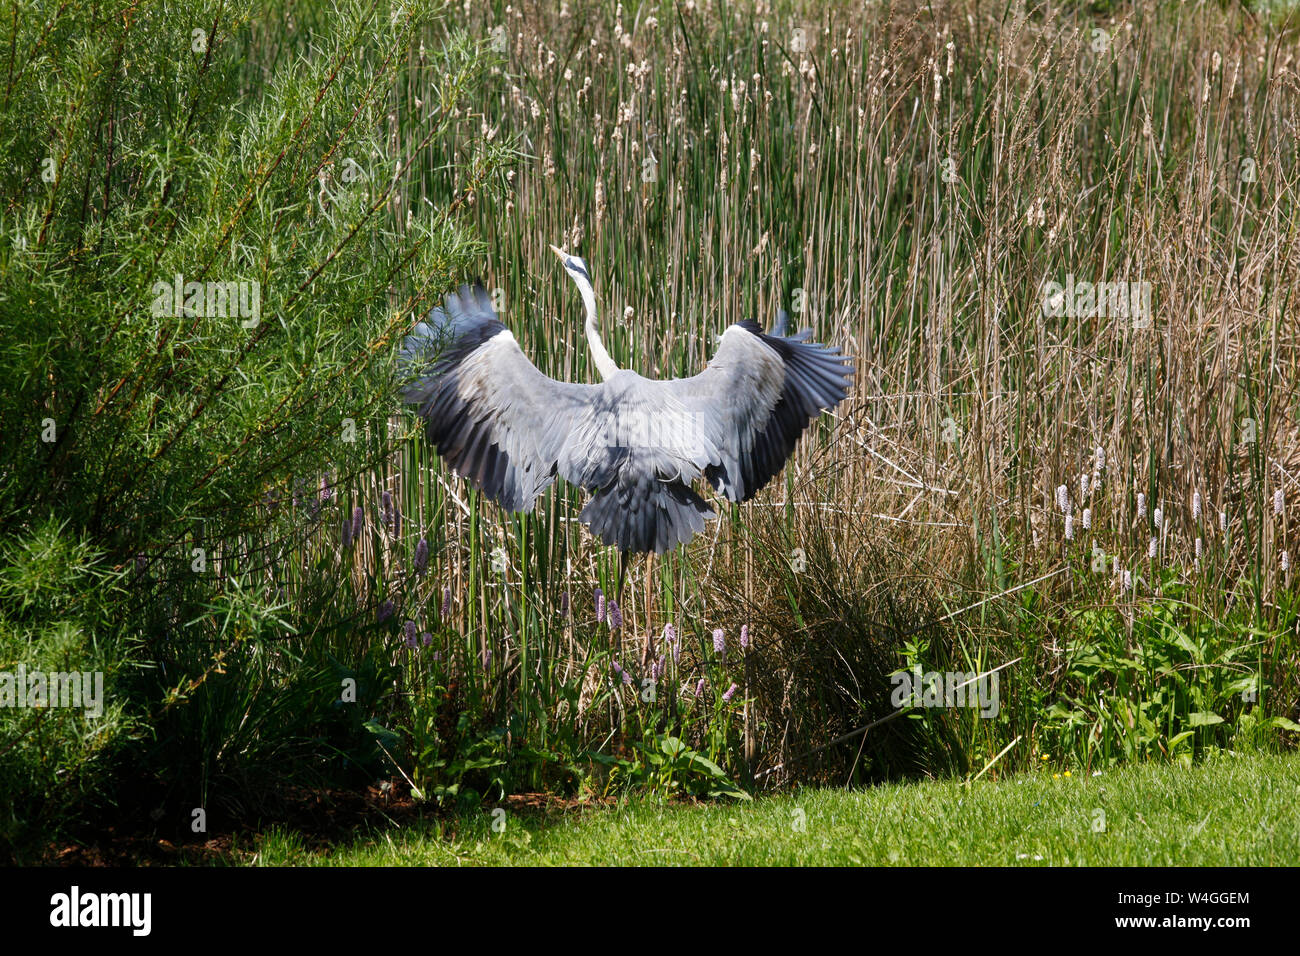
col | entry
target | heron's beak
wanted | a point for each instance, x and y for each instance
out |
(559, 252)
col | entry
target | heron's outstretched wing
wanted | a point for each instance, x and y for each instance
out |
(490, 413)
(757, 396)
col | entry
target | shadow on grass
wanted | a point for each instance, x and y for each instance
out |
(311, 821)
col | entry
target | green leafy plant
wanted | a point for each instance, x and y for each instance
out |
(664, 765)
(1168, 684)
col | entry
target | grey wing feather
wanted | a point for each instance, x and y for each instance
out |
(757, 396)
(782, 323)
(490, 413)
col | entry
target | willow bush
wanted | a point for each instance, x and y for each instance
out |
(210, 243)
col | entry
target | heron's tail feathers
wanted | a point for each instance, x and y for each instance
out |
(647, 515)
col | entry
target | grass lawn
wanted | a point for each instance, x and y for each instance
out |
(1230, 811)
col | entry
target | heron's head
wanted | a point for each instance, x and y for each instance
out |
(575, 266)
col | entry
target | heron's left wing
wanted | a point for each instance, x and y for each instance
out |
(757, 396)
(491, 414)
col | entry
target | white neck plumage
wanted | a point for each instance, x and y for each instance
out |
(604, 364)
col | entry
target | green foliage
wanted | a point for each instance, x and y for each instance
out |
(199, 444)
(449, 751)
(663, 765)
(463, 775)
(1169, 683)
(57, 744)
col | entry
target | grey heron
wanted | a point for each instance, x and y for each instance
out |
(636, 444)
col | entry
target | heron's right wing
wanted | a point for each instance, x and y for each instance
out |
(496, 419)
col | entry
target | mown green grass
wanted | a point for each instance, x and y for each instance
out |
(1232, 811)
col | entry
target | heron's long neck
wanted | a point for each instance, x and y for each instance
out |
(604, 364)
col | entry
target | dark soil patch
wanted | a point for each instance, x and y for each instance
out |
(322, 817)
